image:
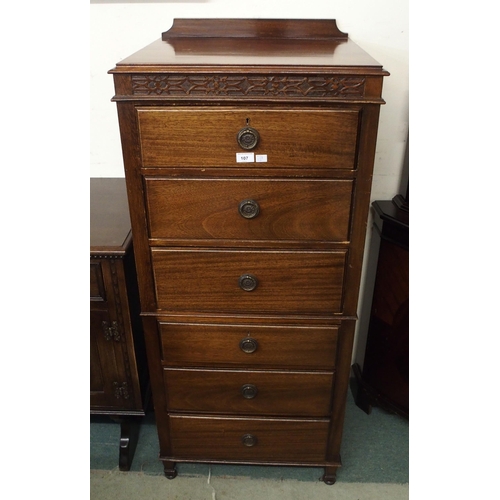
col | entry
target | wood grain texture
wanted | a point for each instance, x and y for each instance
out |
(197, 208)
(131, 160)
(314, 97)
(278, 440)
(208, 44)
(288, 281)
(206, 137)
(117, 358)
(310, 29)
(120, 359)
(276, 346)
(109, 217)
(97, 290)
(277, 393)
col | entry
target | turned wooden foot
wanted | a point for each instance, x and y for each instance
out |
(330, 475)
(169, 470)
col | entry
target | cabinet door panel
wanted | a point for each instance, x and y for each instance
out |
(103, 367)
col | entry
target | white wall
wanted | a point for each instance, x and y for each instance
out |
(118, 29)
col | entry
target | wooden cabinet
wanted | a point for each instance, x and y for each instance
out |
(118, 368)
(384, 378)
(248, 148)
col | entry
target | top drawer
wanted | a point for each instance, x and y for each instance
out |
(207, 137)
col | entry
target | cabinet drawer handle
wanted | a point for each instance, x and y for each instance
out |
(248, 282)
(249, 440)
(248, 391)
(248, 137)
(249, 345)
(249, 209)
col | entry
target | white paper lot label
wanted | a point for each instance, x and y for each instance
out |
(250, 158)
(245, 157)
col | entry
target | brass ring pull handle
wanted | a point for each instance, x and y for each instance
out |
(248, 282)
(249, 209)
(248, 138)
(248, 391)
(248, 345)
(249, 440)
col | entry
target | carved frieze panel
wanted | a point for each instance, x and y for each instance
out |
(252, 86)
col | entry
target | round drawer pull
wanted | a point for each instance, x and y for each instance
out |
(249, 440)
(248, 282)
(249, 345)
(248, 138)
(248, 391)
(249, 209)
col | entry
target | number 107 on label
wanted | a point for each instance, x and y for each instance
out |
(250, 158)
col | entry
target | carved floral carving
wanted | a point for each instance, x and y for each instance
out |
(296, 86)
(121, 391)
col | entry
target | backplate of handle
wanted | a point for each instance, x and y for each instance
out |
(248, 345)
(248, 282)
(249, 209)
(249, 440)
(248, 138)
(248, 391)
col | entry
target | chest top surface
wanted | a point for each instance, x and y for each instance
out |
(109, 216)
(204, 43)
(251, 59)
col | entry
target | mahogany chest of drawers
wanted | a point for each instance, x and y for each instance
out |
(248, 148)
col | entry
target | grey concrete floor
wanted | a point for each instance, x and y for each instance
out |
(116, 485)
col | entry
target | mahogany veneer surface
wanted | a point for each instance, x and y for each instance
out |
(276, 346)
(197, 208)
(118, 371)
(248, 148)
(205, 137)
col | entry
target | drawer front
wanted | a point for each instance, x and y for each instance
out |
(249, 209)
(256, 346)
(248, 440)
(207, 137)
(249, 392)
(218, 280)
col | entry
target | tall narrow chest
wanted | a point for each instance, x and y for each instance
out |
(248, 148)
